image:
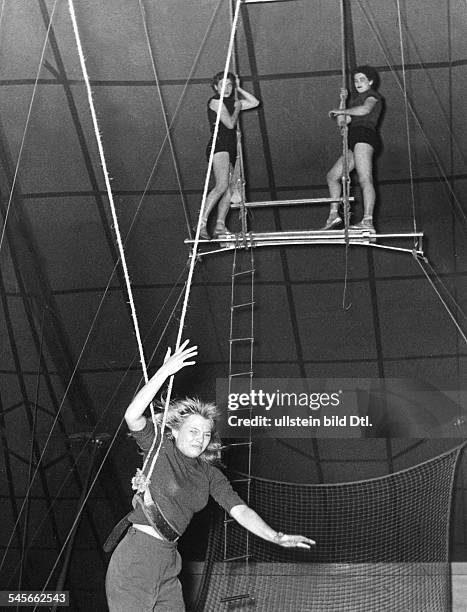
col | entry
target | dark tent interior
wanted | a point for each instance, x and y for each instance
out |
(69, 359)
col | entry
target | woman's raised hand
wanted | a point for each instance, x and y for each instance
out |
(182, 357)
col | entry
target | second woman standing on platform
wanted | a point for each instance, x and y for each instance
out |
(235, 99)
(363, 115)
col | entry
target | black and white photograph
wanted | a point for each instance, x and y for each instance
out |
(233, 330)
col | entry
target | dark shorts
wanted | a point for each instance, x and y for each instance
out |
(364, 134)
(229, 147)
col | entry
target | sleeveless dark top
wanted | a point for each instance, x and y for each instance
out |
(226, 138)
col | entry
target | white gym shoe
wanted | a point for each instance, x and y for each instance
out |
(365, 224)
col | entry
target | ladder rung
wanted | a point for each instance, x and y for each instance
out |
(243, 272)
(229, 520)
(249, 373)
(237, 558)
(236, 598)
(242, 305)
(247, 339)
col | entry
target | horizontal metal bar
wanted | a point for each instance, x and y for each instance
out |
(330, 235)
(241, 339)
(363, 241)
(241, 305)
(270, 203)
(334, 237)
(237, 480)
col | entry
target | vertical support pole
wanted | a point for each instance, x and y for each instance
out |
(238, 178)
(344, 130)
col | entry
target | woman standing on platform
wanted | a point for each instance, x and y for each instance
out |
(143, 571)
(235, 100)
(362, 115)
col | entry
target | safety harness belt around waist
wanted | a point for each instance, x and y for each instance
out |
(155, 518)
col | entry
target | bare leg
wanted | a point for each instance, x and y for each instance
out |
(334, 180)
(222, 210)
(364, 166)
(221, 167)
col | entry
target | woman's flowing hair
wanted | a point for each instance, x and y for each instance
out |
(179, 410)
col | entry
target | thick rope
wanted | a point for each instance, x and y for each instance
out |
(108, 188)
(49, 26)
(28, 118)
(344, 128)
(194, 65)
(345, 158)
(407, 124)
(93, 323)
(138, 482)
(236, 180)
(196, 240)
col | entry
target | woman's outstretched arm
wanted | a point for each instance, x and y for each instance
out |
(251, 520)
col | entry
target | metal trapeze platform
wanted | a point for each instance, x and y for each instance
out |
(355, 237)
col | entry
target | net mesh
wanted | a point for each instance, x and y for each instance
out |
(382, 544)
